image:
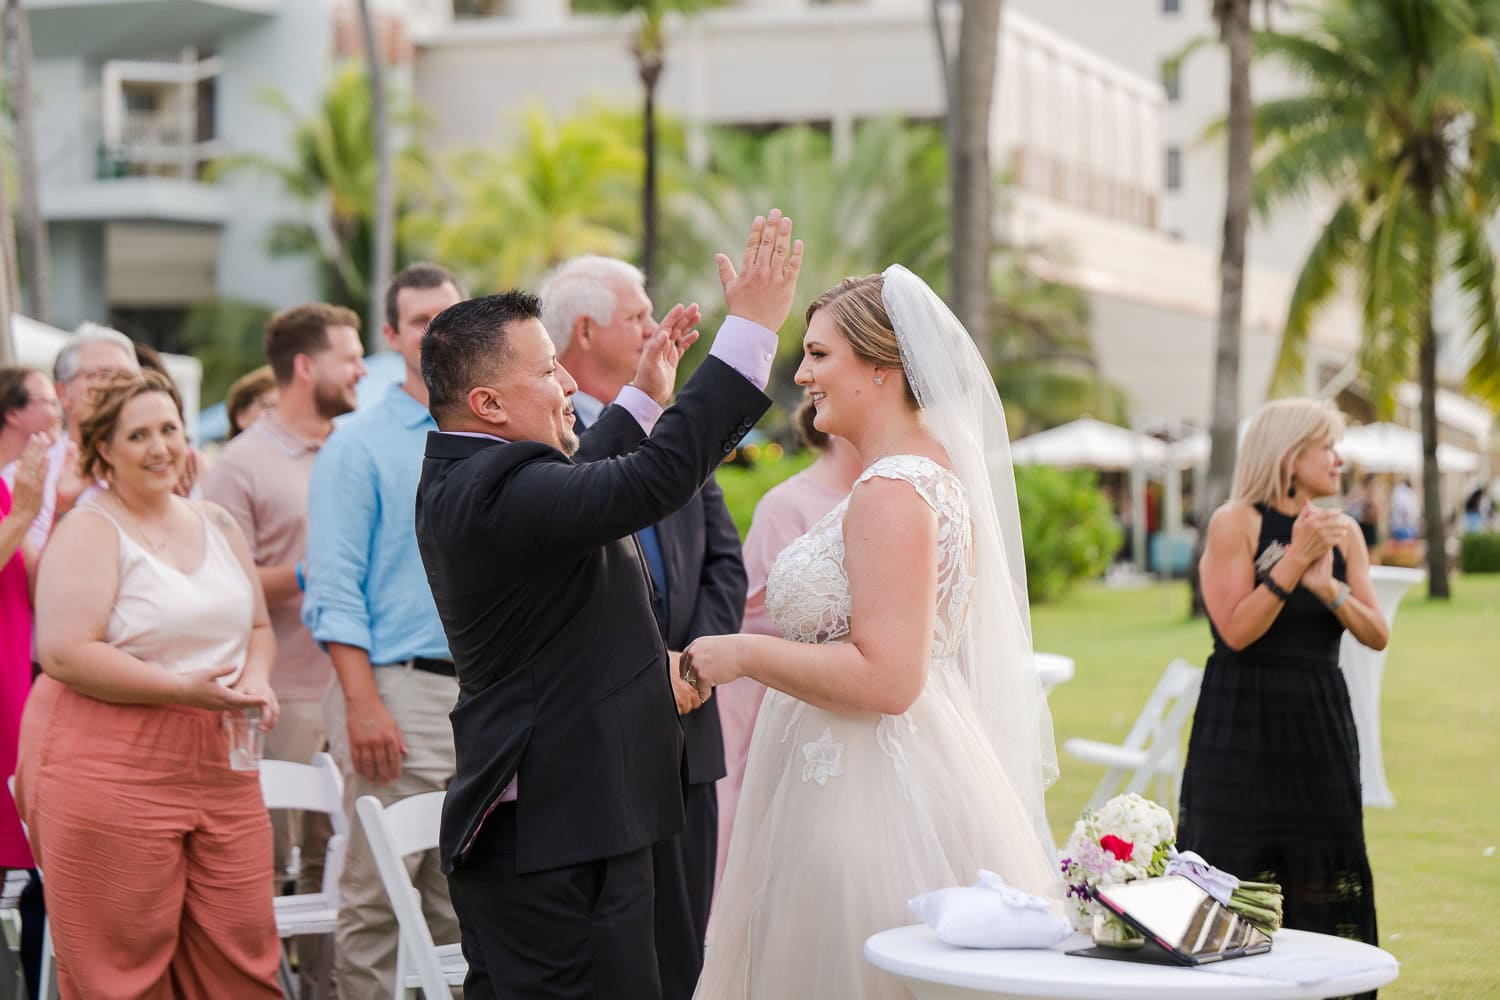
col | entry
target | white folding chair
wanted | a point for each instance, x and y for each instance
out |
(423, 969)
(1151, 751)
(47, 988)
(315, 787)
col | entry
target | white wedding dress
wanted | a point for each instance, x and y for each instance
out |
(843, 818)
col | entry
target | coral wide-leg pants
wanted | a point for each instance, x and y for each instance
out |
(153, 852)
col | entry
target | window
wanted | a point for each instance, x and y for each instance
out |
(1174, 168)
(1171, 79)
(1171, 6)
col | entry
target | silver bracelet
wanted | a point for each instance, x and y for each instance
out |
(1343, 596)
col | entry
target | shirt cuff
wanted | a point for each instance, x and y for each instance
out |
(748, 348)
(642, 407)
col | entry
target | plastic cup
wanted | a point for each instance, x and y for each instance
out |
(246, 738)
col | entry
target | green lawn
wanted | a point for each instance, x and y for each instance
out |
(1436, 855)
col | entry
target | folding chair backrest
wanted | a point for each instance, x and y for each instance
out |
(1179, 678)
(1164, 717)
(315, 787)
(395, 831)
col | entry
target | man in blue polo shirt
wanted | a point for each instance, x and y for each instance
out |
(368, 603)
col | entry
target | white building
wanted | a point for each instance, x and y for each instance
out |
(1081, 134)
(135, 99)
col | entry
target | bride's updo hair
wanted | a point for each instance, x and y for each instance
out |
(856, 308)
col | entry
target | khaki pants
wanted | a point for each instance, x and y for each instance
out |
(297, 736)
(365, 965)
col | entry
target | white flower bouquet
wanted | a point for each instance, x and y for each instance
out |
(1131, 837)
(1127, 838)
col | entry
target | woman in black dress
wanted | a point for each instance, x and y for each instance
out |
(1271, 789)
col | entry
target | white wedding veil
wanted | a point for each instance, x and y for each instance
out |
(962, 409)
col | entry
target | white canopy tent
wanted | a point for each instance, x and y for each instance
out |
(1087, 443)
(38, 344)
(1397, 449)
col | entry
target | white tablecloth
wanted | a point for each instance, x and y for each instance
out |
(1364, 670)
(935, 971)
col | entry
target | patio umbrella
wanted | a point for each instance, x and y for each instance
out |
(1090, 444)
(1392, 448)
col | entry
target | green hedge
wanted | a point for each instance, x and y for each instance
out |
(1479, 552)
(1067, 526)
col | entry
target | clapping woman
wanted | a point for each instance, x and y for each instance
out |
(1271, 787)
(151, 627)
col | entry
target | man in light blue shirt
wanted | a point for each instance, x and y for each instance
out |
(368, 603)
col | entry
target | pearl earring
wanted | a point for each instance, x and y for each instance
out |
(880, 380)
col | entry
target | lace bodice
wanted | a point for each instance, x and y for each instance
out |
(807, 593)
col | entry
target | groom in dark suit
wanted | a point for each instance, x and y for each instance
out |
(569, 756)
(599, 315)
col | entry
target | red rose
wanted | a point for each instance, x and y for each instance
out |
(1121, 849)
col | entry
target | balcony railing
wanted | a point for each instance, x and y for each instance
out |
(1071, 183)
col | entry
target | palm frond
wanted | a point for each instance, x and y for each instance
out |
(1333, 252)
(1295, 168)
(1474, 266)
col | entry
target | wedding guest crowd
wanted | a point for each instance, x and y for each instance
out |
(295, 586)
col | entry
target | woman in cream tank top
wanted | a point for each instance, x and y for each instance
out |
(151, 625)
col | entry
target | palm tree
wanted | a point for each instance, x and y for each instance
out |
(34, 253)
(971, 207)
(648, 46)
(331, 169)
(1042, 359)
(383, 238)
(1399, 123)
(886, 202)
(881, 203)
(1233, 19)
(558, 190)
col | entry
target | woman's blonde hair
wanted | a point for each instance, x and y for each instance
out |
(857, 310)
(103, 417)
(1278, 433)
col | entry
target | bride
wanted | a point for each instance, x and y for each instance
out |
(906, 742)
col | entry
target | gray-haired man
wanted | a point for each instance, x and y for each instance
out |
(93, 355)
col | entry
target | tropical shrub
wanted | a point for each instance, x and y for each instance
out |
(1067, 526)
(1479, 552)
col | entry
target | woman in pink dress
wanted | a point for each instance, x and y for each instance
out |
(783, 514)
(17, 563)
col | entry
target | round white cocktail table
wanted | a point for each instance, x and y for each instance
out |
(936, 971)
(1053, 669)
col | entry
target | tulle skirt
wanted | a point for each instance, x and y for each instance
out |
(841, 820)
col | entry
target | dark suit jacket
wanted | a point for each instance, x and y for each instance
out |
(706, 587)
(546, 604)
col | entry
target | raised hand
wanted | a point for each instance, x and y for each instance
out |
(70, 481)
(31, 478)
(656, 374)
(761, 291)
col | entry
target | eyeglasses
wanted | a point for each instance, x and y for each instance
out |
(96, 376)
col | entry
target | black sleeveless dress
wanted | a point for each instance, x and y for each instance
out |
(1270, 789)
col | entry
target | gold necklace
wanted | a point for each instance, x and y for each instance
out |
(140, 527)
(891, 450)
